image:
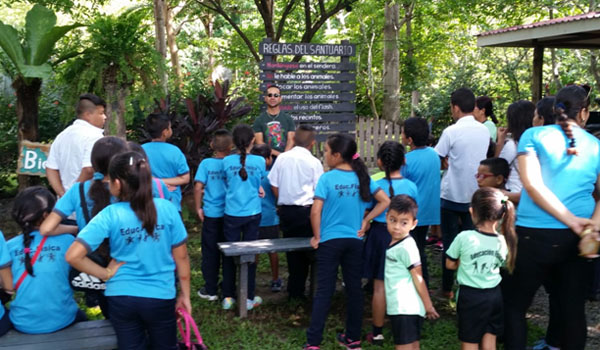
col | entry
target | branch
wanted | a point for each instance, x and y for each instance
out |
(307, 19)
(180, 26)
(321, 7)
(288, 9)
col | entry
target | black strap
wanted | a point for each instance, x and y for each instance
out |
(83, 203)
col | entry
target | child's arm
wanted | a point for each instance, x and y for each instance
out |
(182, 261)
(76, 256)
(198, 195)
(177, 180)
(7, 280)
(383, 201)
(452, 264)
(417, 277)
(315, 221)
(51, 226)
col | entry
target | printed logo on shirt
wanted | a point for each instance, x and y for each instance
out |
(216, 175)
(138, 234)
(250, 169)
(345, 190)
(274, 134)
(83, 280)
(48, 254)
(483, 264)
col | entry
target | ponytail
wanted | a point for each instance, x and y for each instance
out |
(364, 180)
(508, 231)
(391, 155)
(28, 211)
(566, 127)
(133, 171)
(243, 136)
(568, 103)
(346, 147)
(102, 152)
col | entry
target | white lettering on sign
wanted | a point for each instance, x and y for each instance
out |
(32, 161)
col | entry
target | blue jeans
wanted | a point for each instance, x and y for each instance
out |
(212, 233)
(143, 323)
(346, 252)
(239, 228)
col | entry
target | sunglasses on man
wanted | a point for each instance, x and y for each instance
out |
(273, 95)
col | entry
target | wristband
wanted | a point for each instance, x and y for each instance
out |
(586, 232)
(109, 273)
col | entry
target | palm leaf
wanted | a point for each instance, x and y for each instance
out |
(38, 22)
(9, 42)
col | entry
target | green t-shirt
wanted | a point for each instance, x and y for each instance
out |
(401, 294)
(274, 129)
(481, 256)
(492, 128)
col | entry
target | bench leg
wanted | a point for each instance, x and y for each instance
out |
(242, 293)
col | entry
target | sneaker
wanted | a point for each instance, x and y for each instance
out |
(228, 303)
(276, 285)
(375, 340)
(251, 304)
(311, 347)
(439, 246)
(431, 240)
(348, 343)
(202, 293)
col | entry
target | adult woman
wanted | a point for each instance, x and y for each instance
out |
(484, 109)
(559, 166)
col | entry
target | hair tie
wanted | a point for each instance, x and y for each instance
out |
(355, 156)
(98, 176)
(27, 250)
(504, 199)
(130, 161)
(561, 106)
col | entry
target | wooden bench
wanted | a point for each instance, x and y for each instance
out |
(245, 253)
(83, 335)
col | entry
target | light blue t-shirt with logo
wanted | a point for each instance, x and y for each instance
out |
(5, 261)
(211, 174)
(570, 177)
(269, 215)
(167, 161)
(343, 209)
(400, 186)
(149, 266)
(242, 196)
(423, 168)
(44, 302)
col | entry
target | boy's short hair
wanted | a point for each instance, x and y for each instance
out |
(262, 150)
(418, 130)
(273, 87)
(404, 204)
(156, 123)
(222, 140)
(497, 166)
(304, 135)
(88, 103)
(464, 99)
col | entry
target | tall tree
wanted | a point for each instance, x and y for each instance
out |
(391, 56)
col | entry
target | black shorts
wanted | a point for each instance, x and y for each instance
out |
(378, 241)
(268, 232)
(479, 311)
(406, 328)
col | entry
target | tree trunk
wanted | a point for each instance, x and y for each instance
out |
(391, 82)
(27, 117)
(160, 40)
(208, 21)
(115, 103)
(173, 50)
(410, 57)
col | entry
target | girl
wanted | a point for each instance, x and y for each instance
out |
(390, 158)
(478, 254)
(484, 109)
(147, 238)
(544, 112)
(7, 284)
(338, 221)
(44, 299)
(244, 173)
(559, 166)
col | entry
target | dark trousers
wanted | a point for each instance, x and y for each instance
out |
(452, 223)
(143, 323)
(5, 324)
(294, 221)
(212, 233)
(346, 252)
(420, 236)
(239, 228)
(547, 255)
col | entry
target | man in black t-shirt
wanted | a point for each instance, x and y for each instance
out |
(274, 127)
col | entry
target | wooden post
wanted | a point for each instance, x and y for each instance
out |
(537, 73)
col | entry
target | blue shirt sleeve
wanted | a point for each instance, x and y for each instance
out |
(201, 174)
(68, 203)
(178, 232)
(99, 228)
(5, 259)
(182, 166)
(321, 190)
(527, 142)
(373, 187)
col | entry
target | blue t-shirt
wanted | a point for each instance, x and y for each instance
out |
(570, 177)
(166, 194)
(423, 168)
(5, 261)
(167, 161)
(44, 303)
(210, 173)
(400, 186)
(149, 267)
(343, 209)
(269, 215)
(242, 196)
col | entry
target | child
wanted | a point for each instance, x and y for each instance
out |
(478, 254)
(147, 242)
(244, 173)
(43, 297)
(209, 198)
(390, 158)
(159, 188)
(405, 290)
(7, 284)
(493, 172)
(338, 222)
(269, 221)
(167, 162)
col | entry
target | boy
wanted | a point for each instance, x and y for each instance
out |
(269, 221)
(406, 294)
(209, 190)
(293, 178)
(167, 162)
(493, 172)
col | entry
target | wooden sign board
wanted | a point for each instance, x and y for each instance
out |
(270, 76)
(321, 136)
(318, 97)
(324, 117)
(267, 48)
(32, 158)
(268, 66)
(320, 107)
(329, 87)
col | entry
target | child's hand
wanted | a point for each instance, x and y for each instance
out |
(171, 188)
(364, 227)
(184, 303)
(113, 267)
(200, 213)
(261, 192)
(314, 242)
(501, 134)
(431, 314)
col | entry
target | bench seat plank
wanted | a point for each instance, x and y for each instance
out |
(262, 246)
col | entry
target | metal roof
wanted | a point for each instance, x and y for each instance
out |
(574, 32)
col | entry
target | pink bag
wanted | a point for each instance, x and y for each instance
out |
(186, 336)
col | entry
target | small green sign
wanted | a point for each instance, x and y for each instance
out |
(32, 158)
